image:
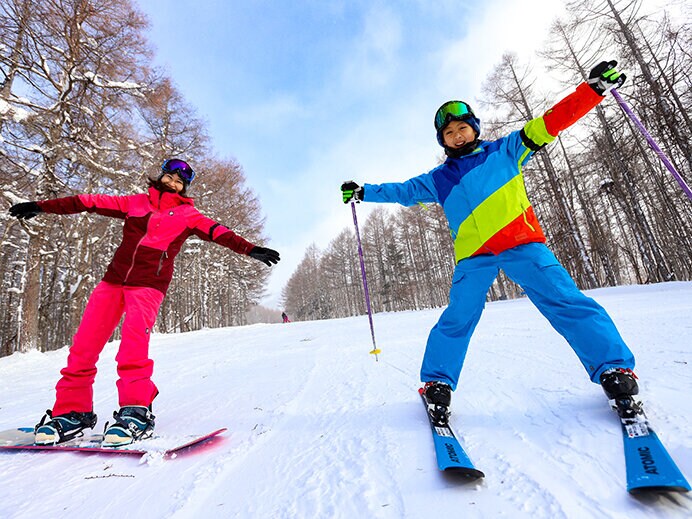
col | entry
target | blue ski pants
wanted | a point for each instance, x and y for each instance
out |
(585, 324)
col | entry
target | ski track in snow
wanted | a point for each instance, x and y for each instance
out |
(318, 429)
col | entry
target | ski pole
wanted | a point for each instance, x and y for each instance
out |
(374, 351)
(625, 108)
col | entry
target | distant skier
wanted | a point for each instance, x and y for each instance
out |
(285, 318)
(156, 225)
(481, 189)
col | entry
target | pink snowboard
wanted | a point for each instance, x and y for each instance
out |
(23, 439)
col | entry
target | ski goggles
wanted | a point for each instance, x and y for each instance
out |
(452, 110)
(180, 167)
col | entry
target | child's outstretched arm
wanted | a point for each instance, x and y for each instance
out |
(543, 130)
(420, 189)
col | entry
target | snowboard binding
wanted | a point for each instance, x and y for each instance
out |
(132, 423)
(52, 430)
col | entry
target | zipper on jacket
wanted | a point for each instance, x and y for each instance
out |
(134, 255)
(164, 255)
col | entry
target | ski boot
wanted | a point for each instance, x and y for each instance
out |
(439, 396)
(132, 423)
(62, 428)
(620, 386)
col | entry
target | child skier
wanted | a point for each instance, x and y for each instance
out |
(481, 189)
(156, 225)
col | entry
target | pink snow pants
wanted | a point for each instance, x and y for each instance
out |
(107, 304)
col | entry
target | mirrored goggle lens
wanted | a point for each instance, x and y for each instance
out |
(180, 167)
(451, 109)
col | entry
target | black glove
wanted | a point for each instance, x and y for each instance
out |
(25, 210)
(352, 191)
(603, 77)
(268, 256)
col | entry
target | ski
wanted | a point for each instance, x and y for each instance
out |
(451, 456)
(648, 465)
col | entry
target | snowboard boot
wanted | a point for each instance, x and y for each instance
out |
(62, 428)
(620, 386)
(132, 423)
(439, 396)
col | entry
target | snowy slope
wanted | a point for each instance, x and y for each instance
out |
(318, 429)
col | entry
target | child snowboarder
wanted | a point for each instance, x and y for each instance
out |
(156, 225)
(481, 189)
(285, 318)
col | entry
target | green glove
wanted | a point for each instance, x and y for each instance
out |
(603, 77)
(351, 191)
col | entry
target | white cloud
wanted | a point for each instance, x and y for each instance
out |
(371, 61)
(273, 112)
(503, 26)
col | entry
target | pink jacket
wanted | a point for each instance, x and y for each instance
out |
(156, 225)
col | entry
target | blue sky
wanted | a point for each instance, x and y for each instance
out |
(306, 94)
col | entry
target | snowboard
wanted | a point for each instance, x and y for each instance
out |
(23, 439)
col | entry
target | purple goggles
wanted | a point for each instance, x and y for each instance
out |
(180, 167)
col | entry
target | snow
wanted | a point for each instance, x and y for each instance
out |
(18, 114)
(98, 81)
(318, 429)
